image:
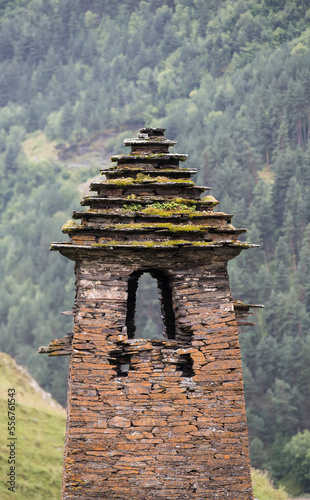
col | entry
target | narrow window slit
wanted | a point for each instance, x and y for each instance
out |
(121, 365)
(123, 370)
(185, 365)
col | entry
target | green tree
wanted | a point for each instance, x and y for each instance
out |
(257, 453)
(297, 462)
(66, 121)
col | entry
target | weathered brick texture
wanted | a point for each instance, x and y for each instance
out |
(162, 418)
(155, 432)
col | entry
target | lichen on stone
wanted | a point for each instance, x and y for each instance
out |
(70, 224)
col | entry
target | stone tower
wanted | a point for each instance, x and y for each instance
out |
(164, 418)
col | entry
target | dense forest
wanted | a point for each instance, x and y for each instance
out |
(230, 80)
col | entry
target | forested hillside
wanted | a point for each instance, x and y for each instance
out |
(230, 80)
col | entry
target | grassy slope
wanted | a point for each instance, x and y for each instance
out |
(40, 427)
(263, 488)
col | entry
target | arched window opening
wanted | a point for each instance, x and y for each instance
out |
(149, 307)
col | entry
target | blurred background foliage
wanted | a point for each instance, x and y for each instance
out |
(230, 80)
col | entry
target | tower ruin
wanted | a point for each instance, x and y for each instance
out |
(153, 418)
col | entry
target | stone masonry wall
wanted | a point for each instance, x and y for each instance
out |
(173, 426)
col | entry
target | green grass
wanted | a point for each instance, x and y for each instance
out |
(40, 430)
(263, 488)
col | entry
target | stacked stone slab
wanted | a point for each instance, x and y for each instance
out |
(163, 418)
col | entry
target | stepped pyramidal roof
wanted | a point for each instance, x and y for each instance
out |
(148, 201)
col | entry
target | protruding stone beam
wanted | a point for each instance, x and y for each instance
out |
(58, 347)
(243, 311)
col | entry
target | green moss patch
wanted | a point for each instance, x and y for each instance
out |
(174, 228)
(158, 208)
(145, 178)
(69, 225)
(158, 244)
